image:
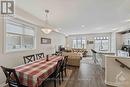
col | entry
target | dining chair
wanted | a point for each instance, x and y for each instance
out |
(28, 59)
(56, 75)
(64, 67)
(39, 56)
(58, 53)
(11, 77)
(94, 56)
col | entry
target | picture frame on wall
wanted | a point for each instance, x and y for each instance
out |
(45, 41)
(90, 42)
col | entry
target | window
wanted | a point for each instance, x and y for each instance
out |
(79, 43)
(19, 36)
(74, 44)
(101, 43)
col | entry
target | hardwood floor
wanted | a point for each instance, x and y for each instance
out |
(87, 75)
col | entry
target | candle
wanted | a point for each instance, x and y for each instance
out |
(47, 58)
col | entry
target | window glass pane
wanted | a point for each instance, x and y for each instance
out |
(74, 44)
(97, 45)
(105, 45)
(83, 44)
(14, 29)
(13, 41)
(29, 32)
(79, 44)
(28, 41)
(19, 36)
(98, 38)
(102, 44)
(107, 37)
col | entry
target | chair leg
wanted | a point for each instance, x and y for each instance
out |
(55, 82)
(65, 72)
(43, 84)
(62, 75)
(94, 61)
(59, 79)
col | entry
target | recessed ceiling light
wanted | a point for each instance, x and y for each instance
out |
(82, 26)
(128, 20)
(114, 29)
(60, 28)
(56, 30)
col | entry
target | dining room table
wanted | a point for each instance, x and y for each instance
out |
(33, 74)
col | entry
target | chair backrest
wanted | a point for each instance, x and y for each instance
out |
(28, 59)
(11, 77)
(93, 51)
(40, 55)
(58, 66)
(65, 61)
(94, 56)
(58, 53)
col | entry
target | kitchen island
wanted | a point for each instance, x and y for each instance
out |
(115, 72)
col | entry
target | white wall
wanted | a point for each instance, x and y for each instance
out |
(119, 41)
(15, 58)
(57, 39)
(113, 42)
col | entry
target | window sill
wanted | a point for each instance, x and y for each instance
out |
(19, 50)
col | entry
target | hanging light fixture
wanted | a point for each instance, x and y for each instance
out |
(47, 29)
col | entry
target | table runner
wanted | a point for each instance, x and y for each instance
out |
(33, 74)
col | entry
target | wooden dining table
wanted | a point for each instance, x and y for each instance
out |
(33, 74)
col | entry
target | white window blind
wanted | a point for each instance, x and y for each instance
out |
(19, 35)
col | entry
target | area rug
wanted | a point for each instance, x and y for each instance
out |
(87, 60)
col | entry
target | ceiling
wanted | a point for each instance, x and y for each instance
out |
(81, 16)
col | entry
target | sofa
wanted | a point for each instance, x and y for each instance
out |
(82, 52)
(73, 58)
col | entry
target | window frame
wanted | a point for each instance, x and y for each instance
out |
(77, 45)
(22, 22)
(101, 39)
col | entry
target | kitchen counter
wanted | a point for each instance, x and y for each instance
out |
(106, 53)
(109, 56)
(101, 57)
(113, 70)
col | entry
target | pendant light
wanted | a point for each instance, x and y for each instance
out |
(47, 29)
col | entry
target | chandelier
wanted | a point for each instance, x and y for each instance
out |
(47, 29)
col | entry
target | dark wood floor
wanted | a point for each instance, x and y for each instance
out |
(87, 75)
